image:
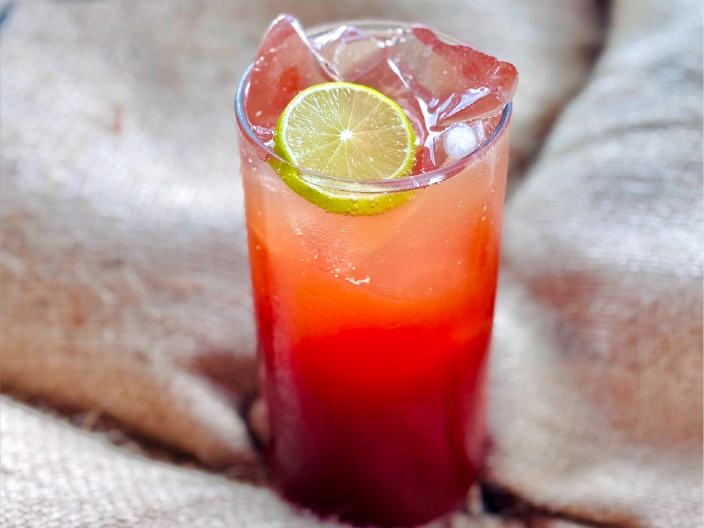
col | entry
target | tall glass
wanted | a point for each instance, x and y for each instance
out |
(373, 331)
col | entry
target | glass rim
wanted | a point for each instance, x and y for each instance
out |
(406, 183)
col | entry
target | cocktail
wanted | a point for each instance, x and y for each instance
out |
(374, 160)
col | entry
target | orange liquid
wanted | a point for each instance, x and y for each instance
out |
(373, 339)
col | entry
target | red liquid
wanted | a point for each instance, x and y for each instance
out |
(367, 420)
(373, 337)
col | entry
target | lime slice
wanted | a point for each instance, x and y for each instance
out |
(347, 131)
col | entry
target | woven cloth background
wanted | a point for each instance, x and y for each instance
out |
(125, 289)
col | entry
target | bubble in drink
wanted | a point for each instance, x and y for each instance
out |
(454, 143)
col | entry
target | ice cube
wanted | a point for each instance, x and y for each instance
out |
(456, 82)
(286, 63)
(362, 58)
(479, 69)
(460, 91)
(452, 94)
(351, 51)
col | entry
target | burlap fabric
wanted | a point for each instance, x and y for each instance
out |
(598, 339)
(125, 286)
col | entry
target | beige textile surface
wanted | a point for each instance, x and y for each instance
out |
(597, 393)
(124, 278)
(72, 480)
